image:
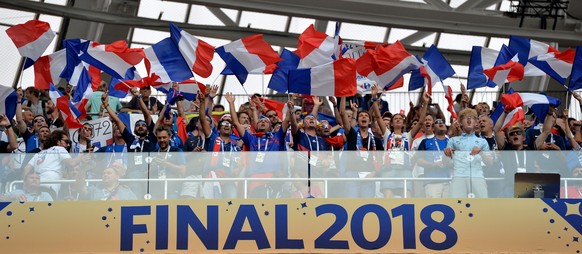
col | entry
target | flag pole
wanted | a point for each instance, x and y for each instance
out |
(21, 74)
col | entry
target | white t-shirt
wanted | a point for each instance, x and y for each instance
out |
(48, 163)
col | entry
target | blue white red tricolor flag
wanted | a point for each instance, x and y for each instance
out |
(336, 78)
(435, 68)
(251, 54)
(481, 59)
(32, 39)
(165, 60)
(575, 82)
(526, 49)
(538, 103)
(196, 52)
(69, 112)
(556, 64)
(114, 59)
(507, 68)
(8, 105)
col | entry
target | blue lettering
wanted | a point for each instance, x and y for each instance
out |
(257, 232)
(341, 218)
(357, 227)
(162, 227)
(282, 240)
(187, 218)
(128, 229)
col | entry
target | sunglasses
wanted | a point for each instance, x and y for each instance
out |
(515, 133)
(225, 123)
(270, 116)
(439, 122)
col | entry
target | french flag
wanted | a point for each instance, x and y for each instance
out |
(575, 82)
(556, 64)
(538, 103)
(190, 88)
(316, 48)
(336, 78)
(48, 69)
(515, 116)
(32, 39)
(507, 67)
(277, 106)
(83, 90)
(69, 112)
(481, 59)
(165, 60)
(251, 54)
(387, 64)
(114, 59)
(196, 52)
(119, 88)
(9, 97)
(526, 49)
(280, 79)
(435, 68)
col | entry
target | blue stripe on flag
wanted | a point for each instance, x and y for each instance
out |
(300, 81)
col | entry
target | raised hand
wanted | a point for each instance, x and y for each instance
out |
(317, 101)
(229, 97)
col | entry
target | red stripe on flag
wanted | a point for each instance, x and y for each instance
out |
(204, 55)
(256, 45)
(309, 40)
(130, 55)
(390, 56)
(345, 77)
(28, 32)
(42, 73)
(512, 100)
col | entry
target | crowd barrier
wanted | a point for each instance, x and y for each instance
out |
(330, 174)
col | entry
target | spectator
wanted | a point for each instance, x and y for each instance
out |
(168, 162)
(434, 163)
(31, 191)
(152, 104)
(468, 179)
(108, 189)
(33, 101)
(93, 106)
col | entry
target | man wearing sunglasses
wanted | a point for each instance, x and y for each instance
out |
(435, 164)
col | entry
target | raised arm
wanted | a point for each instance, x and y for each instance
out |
(6, 124)
(21, 125)
(203, 121)
(317, 102)
(546, 130)
(292, 120)
(500, 138)
(375, 110)
(422, 112)
(112, 115)
(345, 119)
(287, 121)
(230, 98)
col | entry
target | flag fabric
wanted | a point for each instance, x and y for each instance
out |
(31, 39)
(251, 54)
(83, 91)
(575, 82)
(435, 68)
(481, 59)
(119, 88)
(197, 53)
(556, 64)
(499, 108)
(515, 116)
(387, 64)
(526, 49)
(280, 78)
(449, 97)
(48, 69)
(336, 78)
(165, 60)
(190, 88)
(355, 49)
(114, 59)
(9, 97)
(277, 106)
(538, 103)
(69, 112)
(316, 48)
(507, 68)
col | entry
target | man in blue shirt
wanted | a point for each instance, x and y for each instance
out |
(466, 152)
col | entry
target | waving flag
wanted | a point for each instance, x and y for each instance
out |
(280, 78)
(196, 52)
(119, 88)
(277, 106)
(481, 59)
(507, 67)
(556, 64)
(114, 59)
(336, 78)
(8, 105)
(575, 82)
(32, 39)
(165, 60)
(514, 116)
(316, 48)
(435, 68)
(247, 55)
(499, 108)
(355, 49)
(538, 103)
(48, 69)
(190, 88)
(83, 91)
(69, 112)
(387, 64)
(526, 49)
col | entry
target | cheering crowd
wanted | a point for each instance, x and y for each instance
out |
(357, 140)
